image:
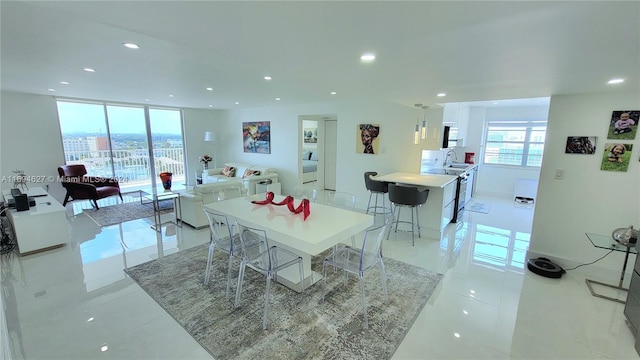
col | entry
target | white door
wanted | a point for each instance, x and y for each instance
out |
(330, 153)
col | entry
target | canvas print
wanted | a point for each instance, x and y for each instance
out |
(623, 124)
(581, 145)
(311, 135)
(616, 157)
(256, 137)
(368, 138)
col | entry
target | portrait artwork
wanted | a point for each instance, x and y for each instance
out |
(368, 138)
(581, 145)
(256, 137)
(623, 124)
(616, 157)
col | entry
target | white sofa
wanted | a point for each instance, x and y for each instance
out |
(191, 201)
(240, 174)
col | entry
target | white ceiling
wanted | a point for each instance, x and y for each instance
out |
(472, 51)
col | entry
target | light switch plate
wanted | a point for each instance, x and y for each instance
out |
(559, 175)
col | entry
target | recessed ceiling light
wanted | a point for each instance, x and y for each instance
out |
(368, 57)
(89, 70)
(267, 77)
(209, 89)
(104, 348)
(237, 102)
(147, 100)
(615, 81)
(64, 82)
(131, 46)
(456, 335)
(210, 105)
(441, 95)
(170, 95)
(277, 99)
(333, 93)
(51, 90)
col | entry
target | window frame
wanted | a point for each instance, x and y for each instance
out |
(530, 125)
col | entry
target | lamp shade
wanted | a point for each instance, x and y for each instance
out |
(209, 136)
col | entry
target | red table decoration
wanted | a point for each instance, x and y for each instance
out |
(304, 207)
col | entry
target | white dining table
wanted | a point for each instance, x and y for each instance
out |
(325, 227)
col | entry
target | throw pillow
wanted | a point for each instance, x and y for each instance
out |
(229, 171)
(250, 172)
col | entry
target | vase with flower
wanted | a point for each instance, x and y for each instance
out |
(205, 159)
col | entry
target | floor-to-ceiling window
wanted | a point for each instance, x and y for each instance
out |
(115, 140)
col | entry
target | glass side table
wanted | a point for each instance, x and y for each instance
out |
(155, 199)
(607, 242)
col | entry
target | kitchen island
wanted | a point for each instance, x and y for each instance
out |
(438, 211)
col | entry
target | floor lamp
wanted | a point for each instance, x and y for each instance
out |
(210, 136)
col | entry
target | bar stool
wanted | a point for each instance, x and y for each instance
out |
(407, 196)
(376, 188)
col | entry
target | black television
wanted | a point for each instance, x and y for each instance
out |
(445, 137)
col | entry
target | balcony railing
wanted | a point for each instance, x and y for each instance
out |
(131, 166)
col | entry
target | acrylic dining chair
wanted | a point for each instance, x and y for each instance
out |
(222, 238)
(265, 259)
(358, 261)
(342, 200)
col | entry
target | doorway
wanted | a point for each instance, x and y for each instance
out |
(317, 151)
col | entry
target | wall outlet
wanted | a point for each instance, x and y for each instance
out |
(559, 175)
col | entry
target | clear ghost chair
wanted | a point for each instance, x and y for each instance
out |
(301, 193)
(358, 261)
(228, 192)
(342, 200)
(222, 238)
(265, 259)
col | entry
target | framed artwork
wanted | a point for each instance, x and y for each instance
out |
(581, 145)
(310, 135)
(616, 157)
(367, 138)
(623, 124)
(256, 137)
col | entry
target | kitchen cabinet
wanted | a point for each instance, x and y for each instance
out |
(456, 116)
(434, 129)
(471, 178)
(437, 212)
(449, 203)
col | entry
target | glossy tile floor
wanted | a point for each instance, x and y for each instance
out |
(75, 302)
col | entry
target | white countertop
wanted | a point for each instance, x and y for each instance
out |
(417, 179)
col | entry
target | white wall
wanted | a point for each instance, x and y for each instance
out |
(588, 199)
(31, 139)
(397, 151)
(196, 122)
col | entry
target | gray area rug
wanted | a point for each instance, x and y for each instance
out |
(300, 325)
(115, 214)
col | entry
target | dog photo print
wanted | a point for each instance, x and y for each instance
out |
(616, 157)
(581, 145)
(623, 124)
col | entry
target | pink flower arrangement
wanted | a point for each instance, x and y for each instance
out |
(205, 159)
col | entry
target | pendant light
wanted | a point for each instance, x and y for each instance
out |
(416, 133)
(424, 123)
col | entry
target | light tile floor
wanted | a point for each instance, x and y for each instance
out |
(76, 302)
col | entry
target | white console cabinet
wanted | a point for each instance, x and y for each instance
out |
(42, 227)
